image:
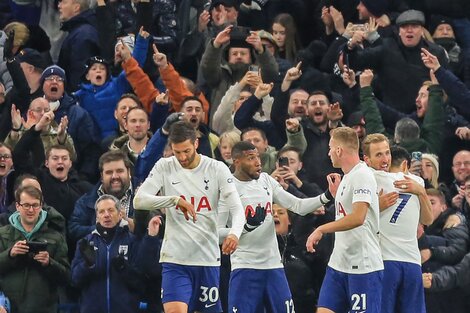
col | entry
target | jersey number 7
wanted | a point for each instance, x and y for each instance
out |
(404, 200)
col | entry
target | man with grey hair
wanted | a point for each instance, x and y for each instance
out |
(81, 42)
(104, 261)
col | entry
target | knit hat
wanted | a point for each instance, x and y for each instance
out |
(434, 160)
(52, 70)
(411, 17)
(435, 22)
(376, 7)
(129, 41)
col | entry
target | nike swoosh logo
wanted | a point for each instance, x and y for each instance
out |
(175, 182)
(209, 305)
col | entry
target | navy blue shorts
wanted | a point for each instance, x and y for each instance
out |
(354, 293)
(402, 288)
(197, 286)
(254, 291)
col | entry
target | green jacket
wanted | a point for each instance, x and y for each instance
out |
(31, 287)
(432, 127)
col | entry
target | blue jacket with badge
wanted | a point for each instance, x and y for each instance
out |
(105, 287)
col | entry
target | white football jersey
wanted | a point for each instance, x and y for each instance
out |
(210, 188)
(399, 223)
(357, 251)
(258, 249)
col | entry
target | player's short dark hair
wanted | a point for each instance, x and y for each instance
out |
(399, 154)
(182, 131)
(240, 147)
(370, 139)
(114, 155)
(262, 133)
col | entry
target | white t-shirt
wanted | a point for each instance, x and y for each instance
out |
(357, 251)
(399, 223)
(258, 249)
(210, 188)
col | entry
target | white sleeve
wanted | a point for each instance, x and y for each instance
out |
(229, 204)
(146, 199)
(294, 204)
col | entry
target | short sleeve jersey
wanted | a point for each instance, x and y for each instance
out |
(357, 251)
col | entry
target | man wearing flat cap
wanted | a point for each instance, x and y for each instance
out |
(397, 61)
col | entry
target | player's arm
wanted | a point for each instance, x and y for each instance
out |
(145, 197)
(412, 186)
(306, 205)
(229, 205)
(355, 219)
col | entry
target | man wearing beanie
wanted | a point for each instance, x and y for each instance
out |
(80, 124)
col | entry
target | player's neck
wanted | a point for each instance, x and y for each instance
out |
(241, 176)
(349, 163)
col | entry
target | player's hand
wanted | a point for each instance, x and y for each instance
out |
(42, 257)
(427, 280)
(333, 180)
(313, 240)
(388, 199)
(187, 209)
(409, 185)
(230, 244)
(255, 218)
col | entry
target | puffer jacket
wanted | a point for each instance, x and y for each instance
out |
(30, 286)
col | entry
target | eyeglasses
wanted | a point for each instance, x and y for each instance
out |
(28, 206)
(5, 156)
(54, 78)
(39, 110)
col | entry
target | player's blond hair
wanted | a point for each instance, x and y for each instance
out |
(346, 137)
(370, 139)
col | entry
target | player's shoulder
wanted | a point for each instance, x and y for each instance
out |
(362, 169)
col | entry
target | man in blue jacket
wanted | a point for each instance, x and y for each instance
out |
(103, 267)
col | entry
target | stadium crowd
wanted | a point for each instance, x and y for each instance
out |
(91, 93)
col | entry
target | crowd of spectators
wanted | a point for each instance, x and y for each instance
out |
(89, 89)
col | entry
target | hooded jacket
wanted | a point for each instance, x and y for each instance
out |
(30, 286)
